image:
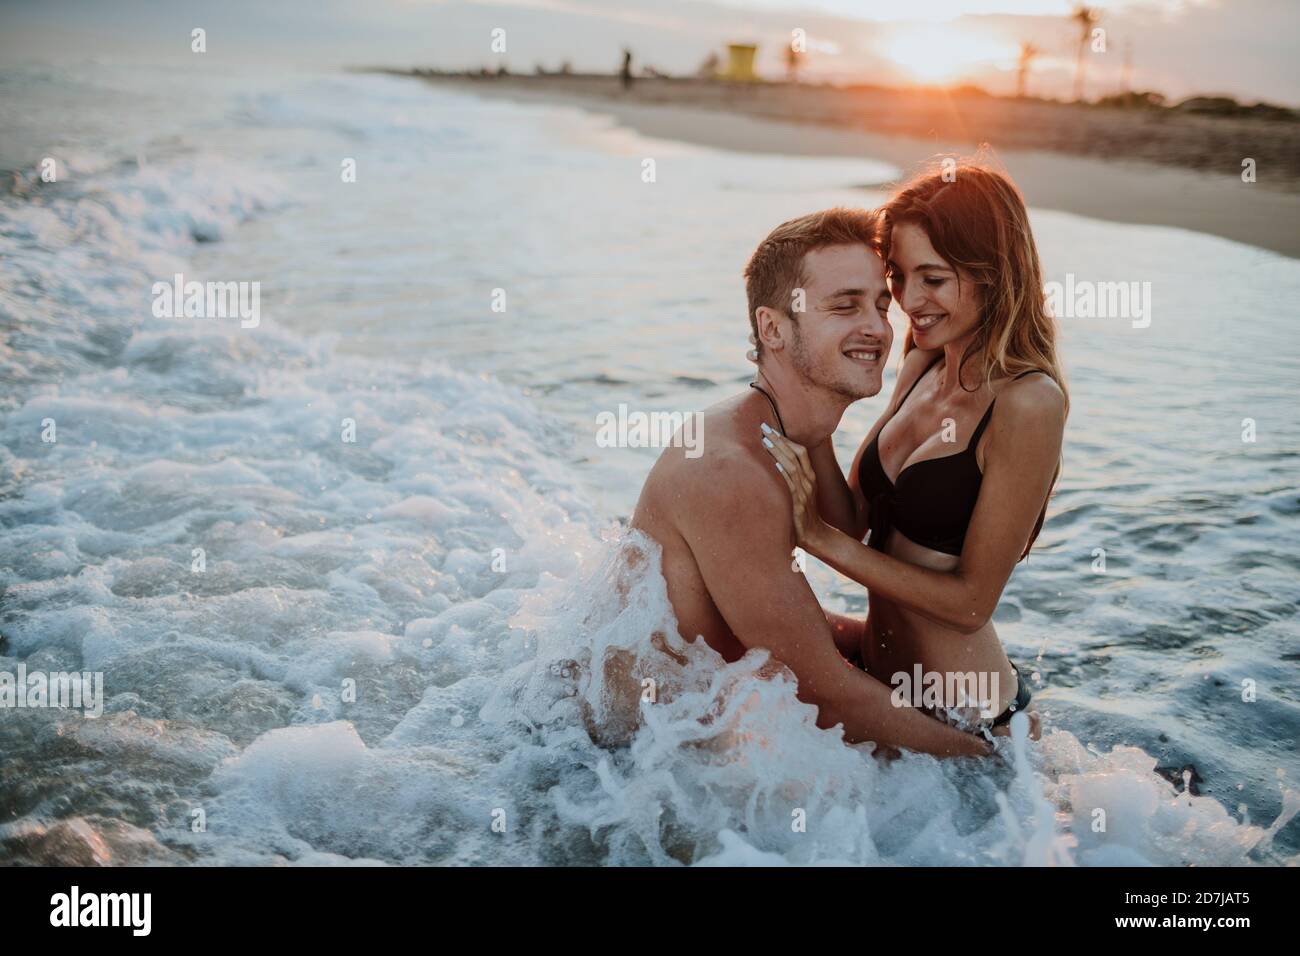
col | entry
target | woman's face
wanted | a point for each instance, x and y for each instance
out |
(940, 309)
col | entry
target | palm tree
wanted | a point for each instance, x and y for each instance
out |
(793, 60)
(1028, 53)
(1086, 17)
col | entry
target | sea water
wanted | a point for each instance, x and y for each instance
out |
(357, 581)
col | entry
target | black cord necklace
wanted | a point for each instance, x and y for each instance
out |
(771, 402)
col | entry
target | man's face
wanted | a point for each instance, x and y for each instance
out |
(842, 341)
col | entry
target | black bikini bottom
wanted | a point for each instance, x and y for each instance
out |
(1023, 696)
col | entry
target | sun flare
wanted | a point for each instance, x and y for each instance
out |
(941, 53)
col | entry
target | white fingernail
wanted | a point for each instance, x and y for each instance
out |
(768, 443)
(779, 468)
(767, 429)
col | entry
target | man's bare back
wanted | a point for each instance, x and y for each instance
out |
(676, 493)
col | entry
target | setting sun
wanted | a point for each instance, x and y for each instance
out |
(941, 53)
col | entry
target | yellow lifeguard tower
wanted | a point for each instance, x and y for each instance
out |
(740, 62)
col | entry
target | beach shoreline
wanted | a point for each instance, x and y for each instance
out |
(1187, 175)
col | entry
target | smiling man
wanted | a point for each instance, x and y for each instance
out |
(817, 308)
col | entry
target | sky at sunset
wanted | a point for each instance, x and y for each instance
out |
(1241, 47)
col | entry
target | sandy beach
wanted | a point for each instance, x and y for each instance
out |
(1158, 167)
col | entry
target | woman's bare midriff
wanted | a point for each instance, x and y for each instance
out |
(896, 639)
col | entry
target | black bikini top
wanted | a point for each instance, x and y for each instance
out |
(933, 499)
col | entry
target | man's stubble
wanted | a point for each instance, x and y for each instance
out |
(816, 372)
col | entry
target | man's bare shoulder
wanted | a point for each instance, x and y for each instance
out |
(731, 472)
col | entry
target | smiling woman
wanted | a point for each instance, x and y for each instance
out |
(943, 52)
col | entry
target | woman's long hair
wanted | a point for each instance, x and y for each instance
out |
(975, 218)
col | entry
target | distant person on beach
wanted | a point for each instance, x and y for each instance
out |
(953, 480)
(626, 72)
(723, 519)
